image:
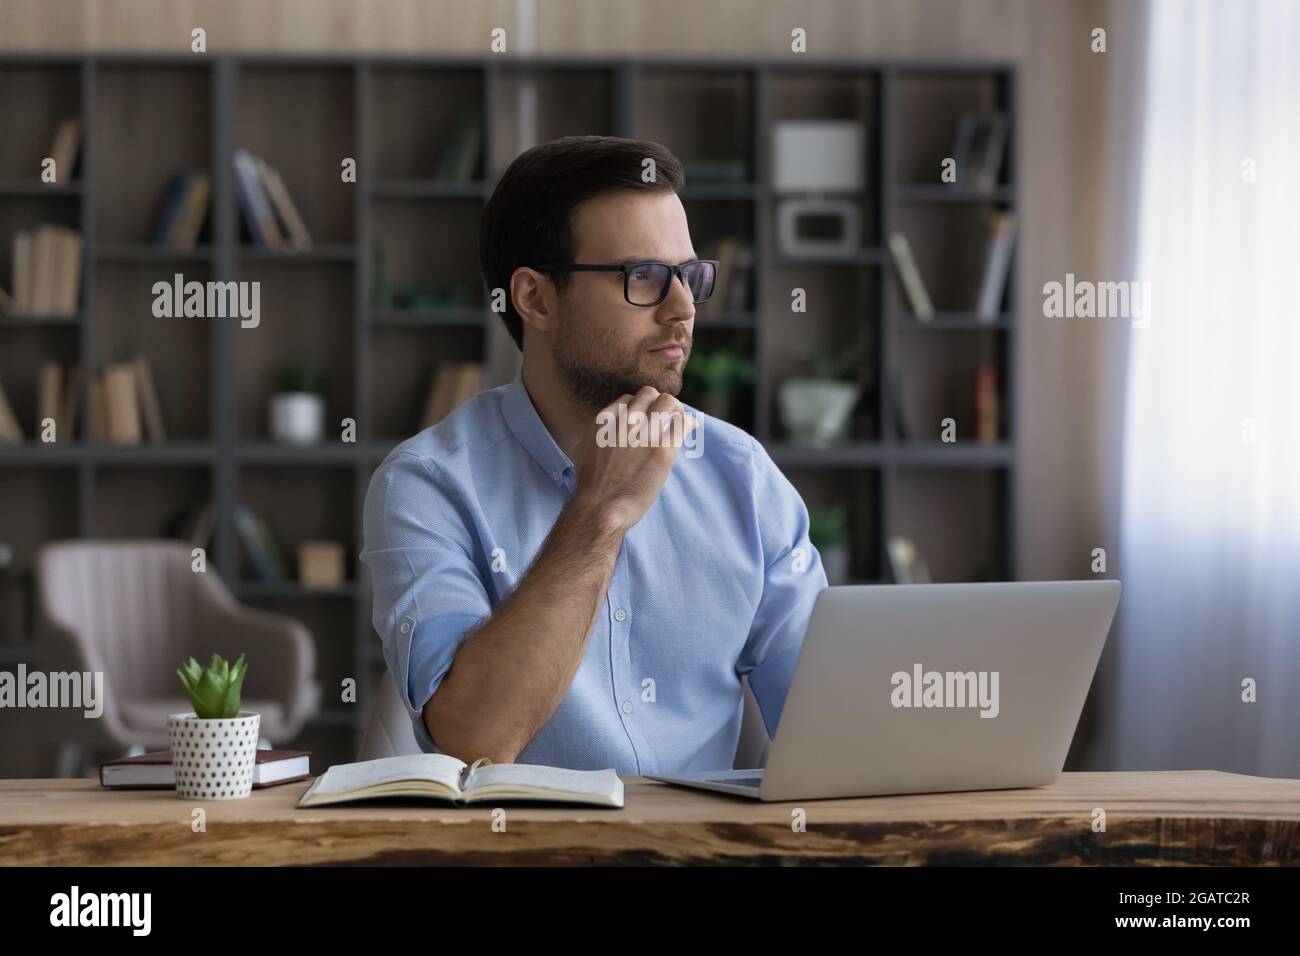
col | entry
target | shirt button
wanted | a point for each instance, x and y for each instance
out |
(627, 707)
(620, 614)
(405, 628)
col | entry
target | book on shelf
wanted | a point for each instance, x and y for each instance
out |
(986, 403)
(263, 549)
(57, 389)
(11, 432)
(194, 525)
(910, 277)
(732, 282)
(123, 410)
(254, 204)
(65, 148)
(997, 263)
(124, 406)
(906, 561)
(46, 271)
(154, 771)
(452, 384)
(147, 394)
(901, 429)
(459, 159)
(49, 396)
(443, 777)
(272, 217)
(979, 148)
(278, 194)
(183, 212)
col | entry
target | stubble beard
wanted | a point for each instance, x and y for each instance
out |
(596, 369)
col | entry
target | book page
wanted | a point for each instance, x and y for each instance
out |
(529, 776)
(344, 777)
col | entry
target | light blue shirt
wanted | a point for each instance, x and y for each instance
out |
(715, 582)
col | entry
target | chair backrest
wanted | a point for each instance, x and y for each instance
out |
(389, 733)
(124, 604)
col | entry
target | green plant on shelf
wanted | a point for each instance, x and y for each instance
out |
(827, 526)
(712, 378)
(300, 377)
(214, 690)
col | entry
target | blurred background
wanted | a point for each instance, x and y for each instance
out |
(893, 189)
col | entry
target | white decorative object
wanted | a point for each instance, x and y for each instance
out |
(817, 156)
(816, 410)
(811, 157)
(213, 759)
(297, 418)
(818, 227)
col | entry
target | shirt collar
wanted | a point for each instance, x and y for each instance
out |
(521, 415)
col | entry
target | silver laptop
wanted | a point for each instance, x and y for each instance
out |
(930, 688)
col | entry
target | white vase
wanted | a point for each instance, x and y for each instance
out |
(213, 759)
(297, 418)
(816, 410)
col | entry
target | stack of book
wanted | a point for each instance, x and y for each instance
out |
(124, 406)
(184, 211)
(452, 384)
(46, 272)
(263, 197)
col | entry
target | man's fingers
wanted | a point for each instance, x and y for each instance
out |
(643, 398)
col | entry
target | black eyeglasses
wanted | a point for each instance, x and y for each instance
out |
(646, 283)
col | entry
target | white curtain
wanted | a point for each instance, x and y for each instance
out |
(1210, 512)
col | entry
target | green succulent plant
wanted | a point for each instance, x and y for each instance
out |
(214, 690)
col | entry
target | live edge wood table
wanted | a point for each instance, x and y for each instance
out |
(1153, 818)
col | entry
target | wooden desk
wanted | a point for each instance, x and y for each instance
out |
(1197, 817)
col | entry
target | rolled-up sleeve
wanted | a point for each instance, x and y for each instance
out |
(793, 577)
(428, 592)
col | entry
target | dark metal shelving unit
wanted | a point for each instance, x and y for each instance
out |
(224, 453)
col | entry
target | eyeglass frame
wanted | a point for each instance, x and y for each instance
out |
(674, 272)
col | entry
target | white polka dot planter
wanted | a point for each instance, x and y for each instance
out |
(214, 758)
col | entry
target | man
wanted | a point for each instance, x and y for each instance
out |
(551, 590)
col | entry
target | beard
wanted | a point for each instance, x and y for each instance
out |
(597, 367)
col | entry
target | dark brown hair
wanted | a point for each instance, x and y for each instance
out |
(528, 220)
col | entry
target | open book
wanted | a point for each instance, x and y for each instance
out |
(442, 777)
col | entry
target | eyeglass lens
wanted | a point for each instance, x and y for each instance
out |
(647, 283)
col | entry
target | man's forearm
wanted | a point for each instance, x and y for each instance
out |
(508, 678)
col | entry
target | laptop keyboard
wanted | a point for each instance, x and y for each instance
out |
(740, 781)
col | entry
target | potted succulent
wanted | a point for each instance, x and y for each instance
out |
(715, 376)
(816, 408)
(298, 406)
(215, 747)
(827, 530)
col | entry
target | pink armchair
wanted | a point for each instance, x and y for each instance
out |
(135, 611)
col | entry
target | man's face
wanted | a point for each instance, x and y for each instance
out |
(605, 347)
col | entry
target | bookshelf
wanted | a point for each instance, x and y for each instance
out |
(146, 116)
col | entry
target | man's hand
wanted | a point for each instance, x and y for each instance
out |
(620, 480)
